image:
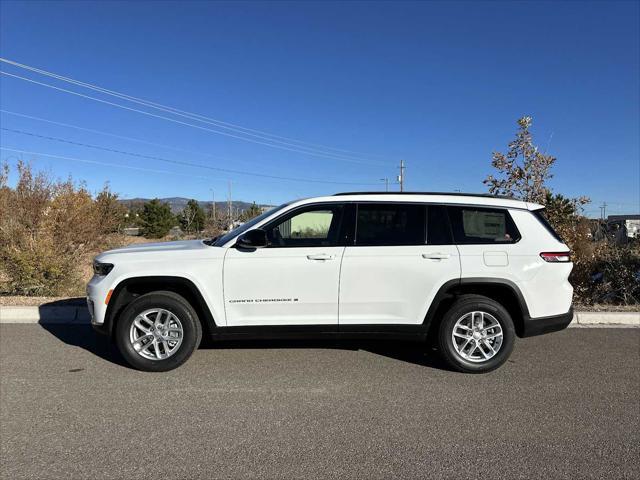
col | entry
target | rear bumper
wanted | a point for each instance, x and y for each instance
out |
(541, 325)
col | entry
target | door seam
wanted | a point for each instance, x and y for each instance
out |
(344, 249)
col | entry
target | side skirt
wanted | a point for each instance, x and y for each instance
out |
(306, 332)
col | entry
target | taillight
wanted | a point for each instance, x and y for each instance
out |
(556, 257)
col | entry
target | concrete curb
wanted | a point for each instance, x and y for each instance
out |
(79, 315)
(586, 319)
(72, 315)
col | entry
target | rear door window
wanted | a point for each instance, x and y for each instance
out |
(379, 224)
(476, 225)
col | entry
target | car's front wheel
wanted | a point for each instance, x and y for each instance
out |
(158, 331)
(476, 334)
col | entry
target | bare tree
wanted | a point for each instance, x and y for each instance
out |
(523, 170)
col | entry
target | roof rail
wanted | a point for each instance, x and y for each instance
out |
(458, 194)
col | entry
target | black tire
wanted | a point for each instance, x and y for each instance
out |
(174, 303)
(466, 304)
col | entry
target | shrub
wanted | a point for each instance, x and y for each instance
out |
(609, 273)
(47, 229)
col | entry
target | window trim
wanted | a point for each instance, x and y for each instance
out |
(508, 217)
(449, 228)
(339, 206)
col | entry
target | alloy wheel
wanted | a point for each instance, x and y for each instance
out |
(156, 334)
(477, 336)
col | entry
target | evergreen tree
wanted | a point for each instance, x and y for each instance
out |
(111, 213)
(251, 212)
(156, 218)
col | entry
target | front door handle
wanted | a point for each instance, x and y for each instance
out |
(321, 256)
(436, 256)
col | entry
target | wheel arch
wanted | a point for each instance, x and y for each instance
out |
(130, 288)
(502, 290)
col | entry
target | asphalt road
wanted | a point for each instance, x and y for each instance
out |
(566, 405)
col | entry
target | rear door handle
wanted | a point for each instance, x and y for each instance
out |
(436, 256)
(321, 256)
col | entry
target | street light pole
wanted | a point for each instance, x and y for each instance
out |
(213, 204)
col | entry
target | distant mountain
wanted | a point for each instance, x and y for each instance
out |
(177, 204)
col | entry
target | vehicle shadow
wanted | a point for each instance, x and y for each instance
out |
(77, 332)
(68, 321)
(409, 352)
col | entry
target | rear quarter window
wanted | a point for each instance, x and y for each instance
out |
(478, 225)
(539, 214)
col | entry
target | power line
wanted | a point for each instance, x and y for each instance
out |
(200, 127)
(181, 162)
(96, 162)
(174, 120)
(114, 135)
(193, 116)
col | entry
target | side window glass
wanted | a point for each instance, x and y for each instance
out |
(438, 230)
(390, 224)
(316, 226)
(482, 225)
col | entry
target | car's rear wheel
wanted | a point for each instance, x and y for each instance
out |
(476, 334)
(158, 331)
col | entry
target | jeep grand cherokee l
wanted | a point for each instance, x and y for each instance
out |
(471, 272)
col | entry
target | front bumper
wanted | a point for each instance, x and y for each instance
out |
(101, 328)
(541, 325)
(97, 291)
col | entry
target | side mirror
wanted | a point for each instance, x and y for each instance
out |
(252, 239)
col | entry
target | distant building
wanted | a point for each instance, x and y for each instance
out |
(629, 223)
(131, 231)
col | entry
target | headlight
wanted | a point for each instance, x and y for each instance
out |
(102, 268)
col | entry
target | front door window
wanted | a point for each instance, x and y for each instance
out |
(313, 227)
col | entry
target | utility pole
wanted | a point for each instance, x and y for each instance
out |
(401, 176)
(386, 184)
(230, 203)
(603, 211)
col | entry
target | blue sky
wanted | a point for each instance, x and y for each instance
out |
(439, 85)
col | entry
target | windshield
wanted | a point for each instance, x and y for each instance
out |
(220, 241)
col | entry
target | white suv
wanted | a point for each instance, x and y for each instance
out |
(471, 271)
